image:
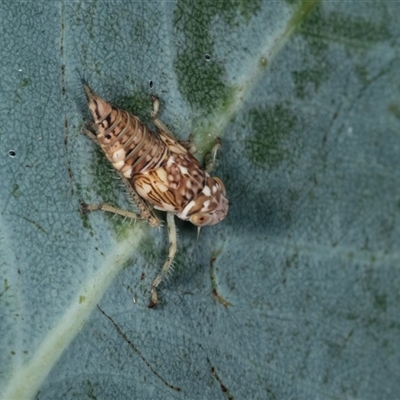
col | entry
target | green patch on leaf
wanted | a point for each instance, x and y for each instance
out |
(271, 126)
(381, 302)
(105, 177)
(15, 191)
(355, 33)
(394, 109)
(148, 250)
(201, 75)
(108, 187)
(362, 74)
(301, 14)
(208, 130)
(351, 316)
(138, 104)
(308, 79)
(25, 82)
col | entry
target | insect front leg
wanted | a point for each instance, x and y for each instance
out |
(167, 265)
(210, 158)
(189, 144)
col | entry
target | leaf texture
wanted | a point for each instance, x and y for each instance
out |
(296, 294)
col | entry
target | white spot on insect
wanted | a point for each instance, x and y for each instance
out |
(188, 184)
(184, 213)
(161, 187)
(206, 190)
(127, 171)
(170, 162)
(184, 170)
(118, 165)
(162, 174)
(145, 188)
(214, 189)
(205, 205)
(119, 155)
(136, 139)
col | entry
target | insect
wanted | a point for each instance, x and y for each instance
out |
(159, 171)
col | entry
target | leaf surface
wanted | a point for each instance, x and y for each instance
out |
(295, 294)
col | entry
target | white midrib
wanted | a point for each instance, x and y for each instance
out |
(27, 379)
(256, 68)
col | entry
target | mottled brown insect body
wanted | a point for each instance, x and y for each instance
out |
(158, 170)
(161, 169)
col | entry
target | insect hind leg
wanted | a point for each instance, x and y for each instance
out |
(86, 208)
(167, 265)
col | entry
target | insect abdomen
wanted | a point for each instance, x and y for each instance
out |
(129, 145)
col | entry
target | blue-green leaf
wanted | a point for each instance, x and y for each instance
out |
(295, 294)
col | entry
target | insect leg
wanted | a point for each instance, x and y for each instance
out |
(156, 121)
(167, 265)
(106, 207)
(189, 144)
(210, 158)
(146, 212)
